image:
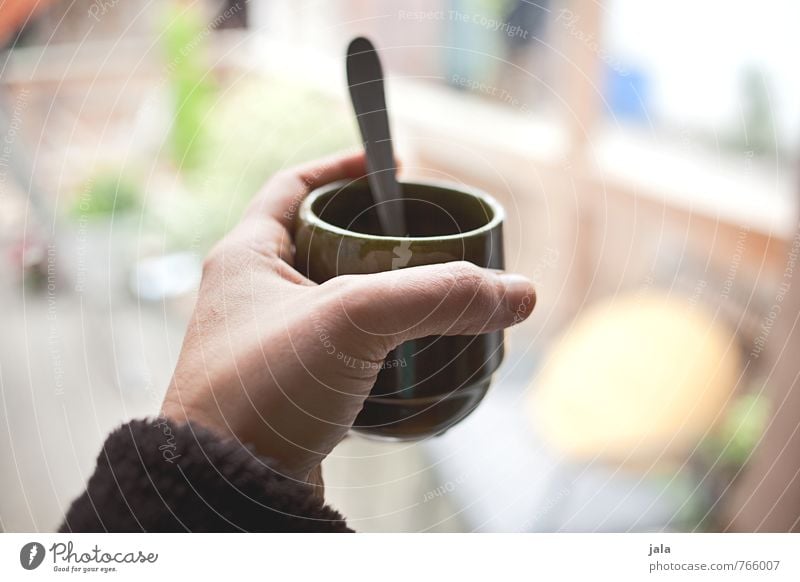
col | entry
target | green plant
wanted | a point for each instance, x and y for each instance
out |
(107, 193)
(742, 428)
(256, 128)
(191, 87)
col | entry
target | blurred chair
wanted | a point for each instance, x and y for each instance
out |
(636, 379)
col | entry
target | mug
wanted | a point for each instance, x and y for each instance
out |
(427, 385)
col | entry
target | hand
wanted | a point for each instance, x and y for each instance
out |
(256, 362)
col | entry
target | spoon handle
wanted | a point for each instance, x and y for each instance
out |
(365, 80)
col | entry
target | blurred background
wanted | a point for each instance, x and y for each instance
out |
(647, 158)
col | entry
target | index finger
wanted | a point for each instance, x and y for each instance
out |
(281, 196)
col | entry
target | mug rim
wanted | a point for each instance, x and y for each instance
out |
(311, 218)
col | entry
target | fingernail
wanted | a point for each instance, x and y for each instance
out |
(519, 294)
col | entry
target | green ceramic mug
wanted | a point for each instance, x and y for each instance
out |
(427, 385)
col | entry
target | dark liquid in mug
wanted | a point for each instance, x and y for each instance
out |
(445, 213)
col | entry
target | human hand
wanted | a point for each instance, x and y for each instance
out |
(255, 363)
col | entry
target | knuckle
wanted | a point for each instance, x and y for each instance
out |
(281, 176)
(473, 293)
(288, 180)
(465, 270)
(467, 280)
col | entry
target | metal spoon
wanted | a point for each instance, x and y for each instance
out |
(365, 80)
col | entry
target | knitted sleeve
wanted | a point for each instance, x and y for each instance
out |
(157, 476)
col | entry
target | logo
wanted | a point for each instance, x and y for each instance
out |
(402, 253)
(31, 555)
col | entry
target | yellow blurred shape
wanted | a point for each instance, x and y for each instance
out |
(636, 378)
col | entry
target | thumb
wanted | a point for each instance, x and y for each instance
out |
(455, 298)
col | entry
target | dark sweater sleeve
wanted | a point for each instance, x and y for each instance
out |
(158, 476)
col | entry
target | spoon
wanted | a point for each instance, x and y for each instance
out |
(365, 80)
